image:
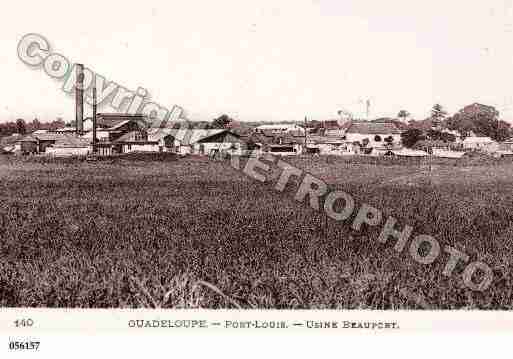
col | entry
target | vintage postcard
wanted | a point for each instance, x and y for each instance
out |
(218, 168)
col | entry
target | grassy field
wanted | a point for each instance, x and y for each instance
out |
(189, 233)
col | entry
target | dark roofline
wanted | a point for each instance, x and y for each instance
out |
(119, 114)
(135, 142)
(219, 133)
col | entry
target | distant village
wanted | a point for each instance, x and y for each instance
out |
(474, 129)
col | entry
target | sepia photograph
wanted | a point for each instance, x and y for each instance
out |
(257, 155)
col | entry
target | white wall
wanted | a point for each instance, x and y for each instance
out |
(99, 135)
(63, 152)
(352, 137)
(481, 146)
(332, 149)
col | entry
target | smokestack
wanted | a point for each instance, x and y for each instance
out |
(95, 140)
(79, 100)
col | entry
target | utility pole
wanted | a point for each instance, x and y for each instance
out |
(498, 126)
(79, 100)
(305, 135)
(95, 150)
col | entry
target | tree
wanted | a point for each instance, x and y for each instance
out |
(410, 137)
(345, 114)
(403, 115)
(221, 122)
(436, 135)
(481, 123)
(21, 126)
(502, 131)
(438, 114)
(36, 125)
(58, 123)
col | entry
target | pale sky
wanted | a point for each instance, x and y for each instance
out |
(270, 60)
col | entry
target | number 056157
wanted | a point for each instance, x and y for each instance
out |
(22, 345)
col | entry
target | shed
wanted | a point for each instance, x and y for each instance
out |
(28, 145)
(223, 140)
(133, 141)
(69, 145)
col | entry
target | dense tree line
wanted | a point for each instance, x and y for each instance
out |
(22, 127)
(479, 123)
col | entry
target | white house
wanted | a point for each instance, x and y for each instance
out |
(376, 134)
(480, 143)
(220, 141)
(195, 141)
(330, 145)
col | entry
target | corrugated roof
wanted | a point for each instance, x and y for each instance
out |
(10, 140)
(49, 136)
(114, 120)
(324, 139)
(28, 138)
(333, 124)
(69, 141)
(186, 136)
(371, 128)
(189, 137)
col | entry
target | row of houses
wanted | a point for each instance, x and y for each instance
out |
(125, 133)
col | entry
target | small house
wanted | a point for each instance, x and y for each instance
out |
(69, 145)
(46, 140)
(10, 144)
(111, 126)
(135, 141)
(480, 143)
(286, 145)
(28, 145)
(373, 134)
(219, 141)
(329, 145)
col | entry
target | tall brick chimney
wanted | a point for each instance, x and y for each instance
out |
(79, 100)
